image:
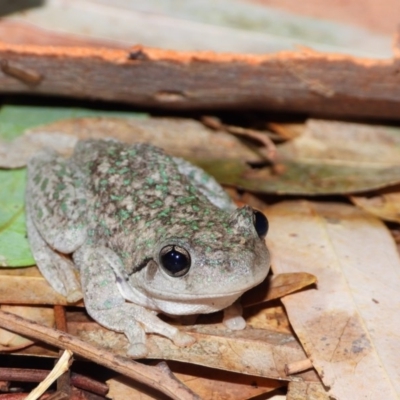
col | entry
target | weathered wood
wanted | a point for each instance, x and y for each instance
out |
(303, 81)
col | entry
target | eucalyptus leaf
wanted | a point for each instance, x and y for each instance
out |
(299, 178)
(329, 157)
(14, 247)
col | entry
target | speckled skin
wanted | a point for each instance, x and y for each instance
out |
(114, 207)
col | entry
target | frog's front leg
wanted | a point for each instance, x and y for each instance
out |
(105, 303)
(55, 219)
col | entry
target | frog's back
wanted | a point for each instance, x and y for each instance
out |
(128, 185)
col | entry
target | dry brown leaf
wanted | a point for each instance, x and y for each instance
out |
(10, 341)
(307, 391)
(277, 286)
(164, 132)
(385, 205)
(287, 130)
(345, 143)
(272, 318)
(258, 352)
(207, 383)
(27, 286)
(349, 325)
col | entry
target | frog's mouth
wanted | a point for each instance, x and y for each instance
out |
(175, 303)
(191, 304)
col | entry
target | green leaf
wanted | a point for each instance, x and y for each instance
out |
(14, 120)
(14, 247)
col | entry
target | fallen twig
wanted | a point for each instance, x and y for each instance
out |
(157, 378)
(37, 375)
(298, 366)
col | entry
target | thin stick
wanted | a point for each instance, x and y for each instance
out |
(151, 376)
(37, 375)
(298, 366)
(61, 366)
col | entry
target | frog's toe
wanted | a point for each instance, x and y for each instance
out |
(181, 339)
(236, 323)
(74, 295)
(137, 350)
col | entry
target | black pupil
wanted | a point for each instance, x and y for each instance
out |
(261, 224)
(175, 262)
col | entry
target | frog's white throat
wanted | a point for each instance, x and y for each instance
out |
(184, 305)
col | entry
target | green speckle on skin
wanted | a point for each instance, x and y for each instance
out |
(103, 182)
(185, 200)
(107, 304)
(126, 182)
(39, 213)
(192, 189)
(115, 197)
(156, 204)
(164, 213)
(44, 184)
(60, 187)
(195, 208)
(64, 207)
(37, 179)
(150, 181)
(123, 214)
(132, 152)
(161, 230)
(163, 175)
(162, 188)
(123, 170)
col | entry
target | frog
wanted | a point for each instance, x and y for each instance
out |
(137, 233)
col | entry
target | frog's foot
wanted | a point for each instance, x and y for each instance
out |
(233, 319)
(182, 339)
(137, 350)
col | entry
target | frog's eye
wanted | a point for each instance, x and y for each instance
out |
(175, 260)
(260, 223)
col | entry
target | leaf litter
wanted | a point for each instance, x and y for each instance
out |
(349, 324)
(339, 321)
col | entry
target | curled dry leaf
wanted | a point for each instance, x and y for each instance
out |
(384, 205)
(277, 286)
(349, 324)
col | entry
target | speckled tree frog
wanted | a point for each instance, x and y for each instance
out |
(147, 233)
